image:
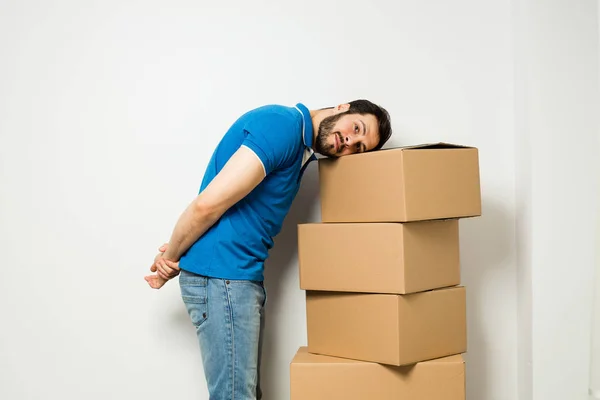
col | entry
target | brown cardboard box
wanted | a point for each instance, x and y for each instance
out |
(402, 184)
(390, 329)
(315, 377)
(379, 257)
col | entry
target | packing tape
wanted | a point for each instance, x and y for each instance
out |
(594, 394)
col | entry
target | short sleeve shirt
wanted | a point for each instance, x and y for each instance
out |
(237, 245)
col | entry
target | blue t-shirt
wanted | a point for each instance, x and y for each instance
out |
(237, 245)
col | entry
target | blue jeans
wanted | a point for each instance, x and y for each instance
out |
(229, 320)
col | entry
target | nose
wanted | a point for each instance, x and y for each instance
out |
(350, 142)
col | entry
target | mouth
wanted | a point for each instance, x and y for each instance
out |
(337, 142)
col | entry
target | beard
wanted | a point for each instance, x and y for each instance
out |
(325, 132)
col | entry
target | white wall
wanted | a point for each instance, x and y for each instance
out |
(595, 356)
(109, 112)
(557, 190)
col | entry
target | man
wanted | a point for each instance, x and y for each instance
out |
(222, 239)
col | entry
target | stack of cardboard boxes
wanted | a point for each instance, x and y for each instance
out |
(386, 317)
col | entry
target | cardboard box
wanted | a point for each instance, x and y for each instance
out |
(394, 329)
(315, 377)
(402, 184)
(379, 257)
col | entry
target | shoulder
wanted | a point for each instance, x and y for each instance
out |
(274, 133)
(273, 119)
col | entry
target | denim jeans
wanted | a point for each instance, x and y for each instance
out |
(229, 320)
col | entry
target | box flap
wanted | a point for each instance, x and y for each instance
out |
(304, 357)
(438, 145)
(458, 358)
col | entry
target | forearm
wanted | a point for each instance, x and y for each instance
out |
(240, 175)
(192, 224)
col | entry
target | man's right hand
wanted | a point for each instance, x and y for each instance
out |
(157, 281)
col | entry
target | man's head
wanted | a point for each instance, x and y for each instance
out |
(354, 127)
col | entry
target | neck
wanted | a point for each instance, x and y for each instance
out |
(317, 117)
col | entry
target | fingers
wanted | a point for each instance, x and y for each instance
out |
(163, 248)
(155, 281)
(172, 265)
(166, 271)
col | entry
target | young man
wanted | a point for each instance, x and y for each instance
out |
(221, 241)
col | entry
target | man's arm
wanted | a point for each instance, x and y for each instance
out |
(242, 173)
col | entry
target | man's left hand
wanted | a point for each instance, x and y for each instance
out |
(166, 269)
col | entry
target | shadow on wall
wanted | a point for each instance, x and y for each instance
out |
(282, 284)
(487, 255)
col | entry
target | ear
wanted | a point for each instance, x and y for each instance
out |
(341, 108)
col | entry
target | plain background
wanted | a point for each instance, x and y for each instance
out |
(110, 111)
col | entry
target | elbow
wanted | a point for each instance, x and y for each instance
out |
(206, 210)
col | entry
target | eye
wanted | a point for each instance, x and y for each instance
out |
(355, 128)
(358, 147)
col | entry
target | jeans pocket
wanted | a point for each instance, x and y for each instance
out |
(194, 292)
(265, 296)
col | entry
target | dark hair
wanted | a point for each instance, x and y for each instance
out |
(383, 117)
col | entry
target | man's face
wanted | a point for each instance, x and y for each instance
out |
(343, 134)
